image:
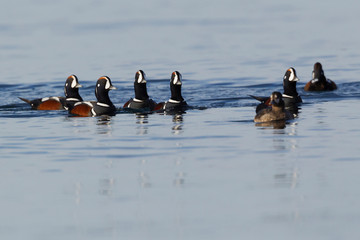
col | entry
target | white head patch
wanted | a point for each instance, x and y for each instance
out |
(177, 79)
(292, 75)
(73, 83)
(107, 84)
(315, 80)
(141, 78)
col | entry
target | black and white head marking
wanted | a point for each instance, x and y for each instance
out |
(107, 85)
(276, 97)
(176, 78)
(292, 76)
(140, 77)
(74, 83)
(71, 87)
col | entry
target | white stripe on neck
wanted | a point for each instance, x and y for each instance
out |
(137, 100)
(103, 104)
(287, 96)
(72, 99)
(173, 101)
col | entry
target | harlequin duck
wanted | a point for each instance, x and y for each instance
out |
(71, 90)
(103, 106)
(141, 100)
(290, 96)
(176, 101)
(276, 112)
(319, 81)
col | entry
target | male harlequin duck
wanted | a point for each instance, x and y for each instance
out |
(176, 101)
(141, 100)
(71, 90)
(319, 81)
(103, 106)
(290, 96)
(276, 112)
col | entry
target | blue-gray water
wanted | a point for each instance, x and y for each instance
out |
(210, 173)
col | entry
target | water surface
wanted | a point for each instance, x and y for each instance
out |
(208, 173)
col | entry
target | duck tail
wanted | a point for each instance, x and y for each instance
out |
(25, 100)
(261, 99)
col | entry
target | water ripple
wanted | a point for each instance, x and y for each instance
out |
(214, 94)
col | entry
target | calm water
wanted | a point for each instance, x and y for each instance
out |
(210, 173)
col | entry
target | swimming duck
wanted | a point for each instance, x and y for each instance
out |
(141, 99)
(103, 105)
(319, 81)
(176, 101)
(276, 112)
(72, 96)
(290, 96)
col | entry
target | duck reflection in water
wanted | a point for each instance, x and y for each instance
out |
(104, 124)
(104, 120)
(178, 120)
(279, 124)
(142, 119)
(293, 108)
